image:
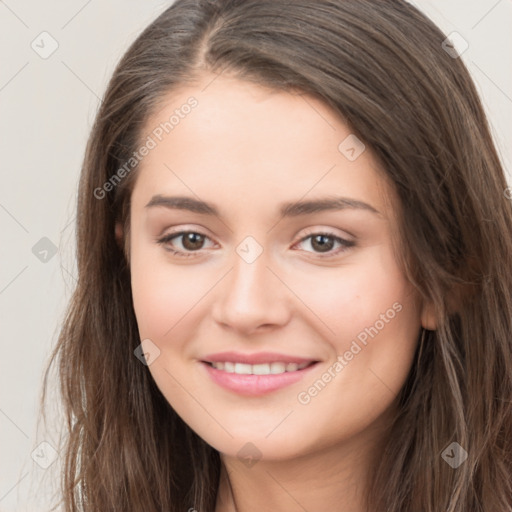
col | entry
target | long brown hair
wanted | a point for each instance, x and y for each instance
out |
(381, 66)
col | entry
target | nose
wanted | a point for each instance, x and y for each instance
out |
(251, 298)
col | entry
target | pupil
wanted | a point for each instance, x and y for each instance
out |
(319, 242)
(193, 241)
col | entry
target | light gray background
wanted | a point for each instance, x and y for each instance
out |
(47, 109)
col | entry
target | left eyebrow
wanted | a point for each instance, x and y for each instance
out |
(293, 209)
(184, 203)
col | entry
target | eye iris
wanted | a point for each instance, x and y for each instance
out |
(192, 241)
(319, 242)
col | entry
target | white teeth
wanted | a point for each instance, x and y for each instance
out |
(259, 369)
(243, 369)
(277, 368)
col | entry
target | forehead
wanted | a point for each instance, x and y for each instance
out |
(233, 140)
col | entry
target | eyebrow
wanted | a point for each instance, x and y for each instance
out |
(293, 209)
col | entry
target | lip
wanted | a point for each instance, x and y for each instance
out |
(256, 358)
(255, 385)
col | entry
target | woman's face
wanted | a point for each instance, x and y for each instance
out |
(283, 324)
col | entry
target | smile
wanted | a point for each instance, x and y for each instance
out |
(255, 374)
(259, 369)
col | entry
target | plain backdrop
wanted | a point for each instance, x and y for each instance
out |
(47, 108)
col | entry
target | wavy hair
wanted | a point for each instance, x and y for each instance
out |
(380, 65)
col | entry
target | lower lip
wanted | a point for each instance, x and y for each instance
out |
(253, 385)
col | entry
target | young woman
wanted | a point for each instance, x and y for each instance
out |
(294, 271)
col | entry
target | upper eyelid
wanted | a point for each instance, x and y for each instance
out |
(310, 232)
(328, 231)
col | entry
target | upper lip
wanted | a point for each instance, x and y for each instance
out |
(256, 358)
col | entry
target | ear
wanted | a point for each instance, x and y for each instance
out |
(119, 235)
(122, 240)
(428, 317)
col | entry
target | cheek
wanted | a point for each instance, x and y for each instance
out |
(375, 318)
(163, 295)
(163, 292)
(154, 300)
(349, 300)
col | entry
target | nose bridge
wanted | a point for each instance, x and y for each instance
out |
(251, 295)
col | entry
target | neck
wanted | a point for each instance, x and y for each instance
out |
(335, 477)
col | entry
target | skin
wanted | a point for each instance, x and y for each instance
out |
(247, 149)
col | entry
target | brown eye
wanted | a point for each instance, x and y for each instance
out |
(322, 243)
(184, 243)
(192, 241)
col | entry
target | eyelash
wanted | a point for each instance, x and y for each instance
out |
(346, 244)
